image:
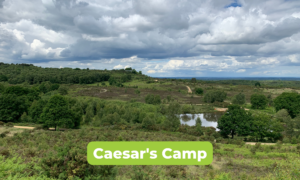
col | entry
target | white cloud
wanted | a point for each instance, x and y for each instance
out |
(118, 67)
(241, 70)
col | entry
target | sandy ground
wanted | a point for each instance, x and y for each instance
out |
(253, 143)
(225, 109)
(189, 89)
(24, 127)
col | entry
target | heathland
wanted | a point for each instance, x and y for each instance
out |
(49, 115)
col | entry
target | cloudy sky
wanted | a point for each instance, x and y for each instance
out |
(183, 38)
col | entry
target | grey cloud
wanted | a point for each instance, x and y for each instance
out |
(87, 30)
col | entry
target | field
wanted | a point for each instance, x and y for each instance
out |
(34, 152)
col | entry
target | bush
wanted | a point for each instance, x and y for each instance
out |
(199, 91)
(148, 123)
(186, 109)
(152, 99)
(239, 99)
(294, 140)
(9, 124)
(213, 96)
(288, 101)
(1, 123)
(62, 90)
(259, 101)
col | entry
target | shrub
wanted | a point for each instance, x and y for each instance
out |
(1, 123)
(152, 99)
(199, 91)
(148, 123)
(186, 109)
(294, 140)
(213, 96)
(239, 99)
(288, 101)
(62, 90)
(9, 124)
(259, 101)
(137, 91)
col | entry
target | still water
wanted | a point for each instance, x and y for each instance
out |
(207, 119)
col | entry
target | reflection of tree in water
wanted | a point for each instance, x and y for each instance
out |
(193, 116)
(185, 118)
(212, 116)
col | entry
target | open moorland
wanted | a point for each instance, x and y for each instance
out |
(260, 141)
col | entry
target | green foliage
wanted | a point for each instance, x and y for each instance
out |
(239, 99)
(172, 121)
(12, 107)
(149, 122)
(25, 118)
(20, 73)
(264, 126)
(193, 80)
(3, 77)
(288, 101)
(62, 90)
(235, 121)
(257, 84)
(186, 109)
(36, 110)
(199, 91)
(134, 71)
(30, 94)
(137, 91)
(152, 99)
(259, 101)
(215, 95)
(57, 113)
(199, 126)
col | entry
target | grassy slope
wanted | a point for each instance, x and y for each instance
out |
(237, 162)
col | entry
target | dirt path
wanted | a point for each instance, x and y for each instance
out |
(225, 109)
(24, 127)
(189, 89)
(253, 143)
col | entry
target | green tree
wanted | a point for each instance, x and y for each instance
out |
(36, 109)
(199, 126)
(193, 80)
(282, 115)
(235, 121)
(212, 96)
(153, 99)
(56, 113)
(63, 90)
(239, 99)
(172, 121)
(199, 91)
(261, 125)
(257, 84)
(12, 107)
(3, 77)
(288, 101)
(259, 101)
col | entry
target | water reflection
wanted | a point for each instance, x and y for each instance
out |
(208, 119)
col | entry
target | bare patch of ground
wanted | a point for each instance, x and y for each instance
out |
(253, 143)
(24, 127)
(189, 89)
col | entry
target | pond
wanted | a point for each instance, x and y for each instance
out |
(207, 119)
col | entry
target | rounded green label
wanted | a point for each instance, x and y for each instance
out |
(150, 153)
